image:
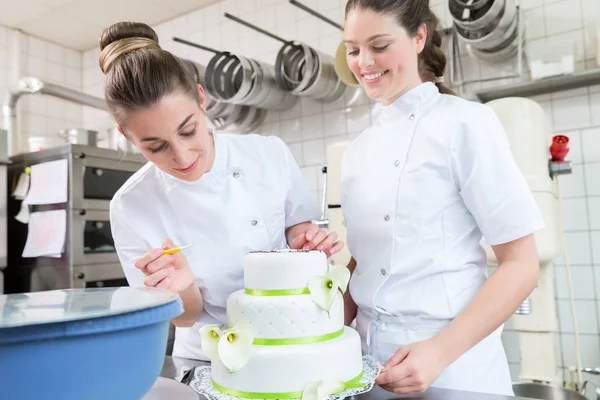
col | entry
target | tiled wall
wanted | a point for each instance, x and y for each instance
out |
(310, 126)
(22, 55)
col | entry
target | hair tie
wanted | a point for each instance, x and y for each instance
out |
(439, 79)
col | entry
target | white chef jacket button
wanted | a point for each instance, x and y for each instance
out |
(412, 116)
(254, 222)
(387, 217)
(397, 163)
(236, 174)
(383, 271)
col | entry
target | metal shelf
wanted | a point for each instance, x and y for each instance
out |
(542, 86)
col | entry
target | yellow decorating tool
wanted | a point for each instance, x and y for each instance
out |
(176, 249)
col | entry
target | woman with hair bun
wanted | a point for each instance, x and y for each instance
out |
(225, 194)
(420, 189)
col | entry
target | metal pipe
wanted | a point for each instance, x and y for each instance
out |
(32, 85)
(256, 28)
(316, 14)
(176, 39)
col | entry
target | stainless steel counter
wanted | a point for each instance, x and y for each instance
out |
(173, 367)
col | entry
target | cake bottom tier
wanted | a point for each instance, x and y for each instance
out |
(284, 371)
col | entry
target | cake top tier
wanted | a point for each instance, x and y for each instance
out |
(282, 269)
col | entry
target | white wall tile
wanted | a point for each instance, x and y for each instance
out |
(578, 248)
(334, 123)
(3, 36)
(56, 108)
(592, 177)
(587, 316)
(595, 108)
(73, 59)
(55, 73)
(590, 35)
(73, 78)
(595, 239)
(56, 54)
(37, 47)
(563, 16)
(583, 283)
(536, 23)
(590, 12)
(575, 214)
(565, 94)
(573, 185)
(37, 105)
(294, 112)
(3, 64)
(594, 212)
(310, 107)
(36, 66)
(314, 152)
(296, 149)
(270, 129)
(37, 125)
(589, 344)
(285, 13)
(308, 29)
(571, 113)
(590, 139)
(310, 176)
(312, 127)
(291, 130)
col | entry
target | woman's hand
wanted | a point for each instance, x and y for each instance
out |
(170, 271)
(413, 368)
(308, 236)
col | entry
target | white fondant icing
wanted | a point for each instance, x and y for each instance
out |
(285, 269)
(283, 316)
(290, 368)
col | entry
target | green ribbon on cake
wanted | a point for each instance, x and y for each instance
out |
(281, 292)
(351, 384)
(298, 340)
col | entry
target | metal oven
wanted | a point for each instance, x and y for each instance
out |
(89, 258)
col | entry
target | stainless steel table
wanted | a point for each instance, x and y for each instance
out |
(174, 365)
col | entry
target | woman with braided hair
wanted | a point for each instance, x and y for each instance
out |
(421, 188)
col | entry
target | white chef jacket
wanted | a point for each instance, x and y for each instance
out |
(253, 192)
(419, 190)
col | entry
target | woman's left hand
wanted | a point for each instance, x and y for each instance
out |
(315, 238)
(413, 368)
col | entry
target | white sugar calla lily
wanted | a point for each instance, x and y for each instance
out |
(323, 288)
(235, 347)
(210, 335)
(321, 390)
(323, 291)
(340, 274)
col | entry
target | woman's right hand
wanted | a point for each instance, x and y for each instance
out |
(166, 271)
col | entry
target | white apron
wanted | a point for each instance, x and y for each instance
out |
(484, 368)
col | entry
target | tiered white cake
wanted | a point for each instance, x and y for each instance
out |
(279, 339)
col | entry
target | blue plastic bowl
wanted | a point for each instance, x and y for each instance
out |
(84, 344)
